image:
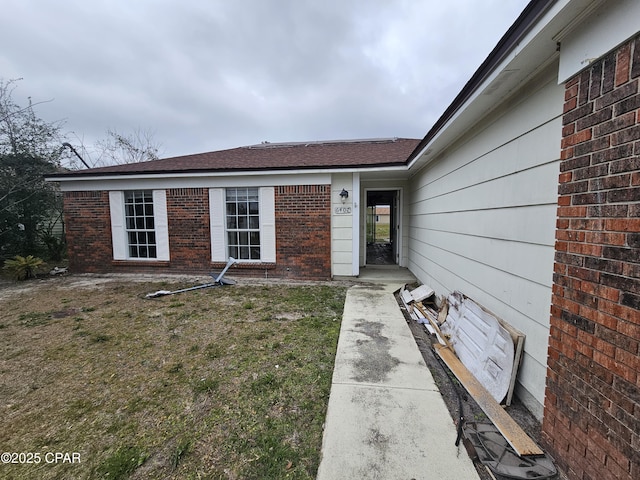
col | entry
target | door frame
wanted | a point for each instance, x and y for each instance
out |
(398, 198)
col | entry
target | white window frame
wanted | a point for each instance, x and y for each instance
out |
(218, 219)
(119, 235)
(243, 223)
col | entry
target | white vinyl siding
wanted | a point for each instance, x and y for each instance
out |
(219, 232)
(482, 221)
(158, 226)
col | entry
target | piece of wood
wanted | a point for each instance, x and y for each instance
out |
(521, 443)
(406, 297)
(421, 293)
(442, 314)
(490, 473)
(441, 338)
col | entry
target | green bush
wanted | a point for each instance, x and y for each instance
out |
(22, 268)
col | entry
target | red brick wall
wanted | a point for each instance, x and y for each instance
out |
(88, 231)
(303, 231)
(189, 231)
(592, 406)
(303, 235)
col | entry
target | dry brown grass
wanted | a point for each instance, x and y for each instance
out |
(219, 383)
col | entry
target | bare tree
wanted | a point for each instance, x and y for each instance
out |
(118, 148)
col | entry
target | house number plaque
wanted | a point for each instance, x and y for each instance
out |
(343, 211)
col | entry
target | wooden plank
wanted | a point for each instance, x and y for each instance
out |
(434, 324)
(517, 358)
(515, 436)
(442, 314)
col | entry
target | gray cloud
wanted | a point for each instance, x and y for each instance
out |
(206, 75)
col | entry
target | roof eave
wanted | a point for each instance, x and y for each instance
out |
(529, 16)
(390, 166)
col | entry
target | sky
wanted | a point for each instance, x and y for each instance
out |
(205, 75)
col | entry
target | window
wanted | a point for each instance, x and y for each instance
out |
(139, 228)
(243, 223)
(140, 224)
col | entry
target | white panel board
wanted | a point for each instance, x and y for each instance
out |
(217, 219)
(481, 344)
(162, 224)
(267, 225)
(118, 236)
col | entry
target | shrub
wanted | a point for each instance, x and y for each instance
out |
(22, 268)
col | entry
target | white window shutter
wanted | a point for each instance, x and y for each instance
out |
(217, 222)
(161, 224)
(118, 235)
(267, 225)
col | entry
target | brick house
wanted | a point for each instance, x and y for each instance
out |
(525, 195)
(276, 208)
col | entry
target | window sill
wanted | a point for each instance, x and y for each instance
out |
(138, 263)
(245, 265)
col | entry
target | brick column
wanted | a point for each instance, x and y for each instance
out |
(303, 231)
(189, 231)
(592, 405)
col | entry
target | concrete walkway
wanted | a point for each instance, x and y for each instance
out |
(386, 418)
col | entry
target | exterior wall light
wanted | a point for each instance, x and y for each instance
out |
(344, 195)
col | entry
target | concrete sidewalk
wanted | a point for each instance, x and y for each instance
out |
(386, 418)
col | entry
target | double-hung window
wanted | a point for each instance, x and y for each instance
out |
(243, 223)
(140, 224)
(139, 228)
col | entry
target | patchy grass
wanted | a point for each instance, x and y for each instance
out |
(227, 383)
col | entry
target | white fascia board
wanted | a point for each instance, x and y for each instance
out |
(534, 44)
(602, 31)
(165, 181)
(209, 179)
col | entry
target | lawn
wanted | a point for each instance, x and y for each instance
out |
(223, 383)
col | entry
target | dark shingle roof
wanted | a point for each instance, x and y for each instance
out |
(273, 156)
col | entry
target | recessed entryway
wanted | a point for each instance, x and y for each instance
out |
(381, 227)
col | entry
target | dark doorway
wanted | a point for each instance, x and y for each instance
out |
(382, 227)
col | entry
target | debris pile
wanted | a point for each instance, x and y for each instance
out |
(484, 353)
